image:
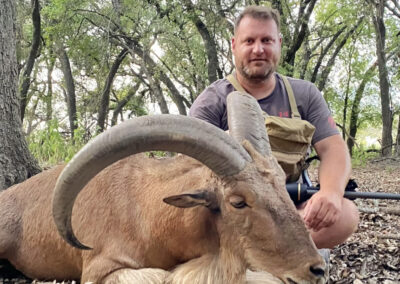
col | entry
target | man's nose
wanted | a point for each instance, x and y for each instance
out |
(258, 48)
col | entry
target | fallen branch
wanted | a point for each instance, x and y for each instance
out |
(387, 210)
(389, 236)
(384, 158)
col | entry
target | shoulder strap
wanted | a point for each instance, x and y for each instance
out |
(235, 83)
(292, 100)
(289, 90)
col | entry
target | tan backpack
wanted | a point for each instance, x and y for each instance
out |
(290, 138)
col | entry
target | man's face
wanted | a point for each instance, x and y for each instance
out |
(257, 48)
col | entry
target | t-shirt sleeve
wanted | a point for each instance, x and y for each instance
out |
(319, 115)
(209, 107)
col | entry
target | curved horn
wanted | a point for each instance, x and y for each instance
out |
(246, 121)
(193, 137)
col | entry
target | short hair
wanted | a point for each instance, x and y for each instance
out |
(259, 13)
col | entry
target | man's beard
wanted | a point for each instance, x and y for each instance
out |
(251, 75)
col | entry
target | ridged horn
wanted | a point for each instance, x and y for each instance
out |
(190, 136)
(246, 121)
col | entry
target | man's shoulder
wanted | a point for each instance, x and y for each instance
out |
(213, 95)
(300, 83)
(303, 89)
(221, 87)
(210, 105)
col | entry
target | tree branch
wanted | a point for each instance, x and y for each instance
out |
(105, 96)
(302, 28)
(327, 70)
(324, 52)
(395, 10)
(211, 49)
(26, 75)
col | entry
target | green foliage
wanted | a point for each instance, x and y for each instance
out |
(50, 147)
(137, 106)
(362, 155)
(94, 32)
(160, 154)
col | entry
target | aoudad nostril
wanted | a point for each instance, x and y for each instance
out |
(317, 271)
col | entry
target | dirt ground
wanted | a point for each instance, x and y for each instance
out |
(372, 254)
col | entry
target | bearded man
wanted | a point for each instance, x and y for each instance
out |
(256, 46)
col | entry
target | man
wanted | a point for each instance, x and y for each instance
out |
(256, 46)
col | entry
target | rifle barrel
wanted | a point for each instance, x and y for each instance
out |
(364, 195)
(301, 192)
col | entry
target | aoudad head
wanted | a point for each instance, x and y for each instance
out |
(254, 213)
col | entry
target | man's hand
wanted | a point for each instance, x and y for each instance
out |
(322, 210)
(324, 207)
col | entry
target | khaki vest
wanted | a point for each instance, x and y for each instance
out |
(290, 138)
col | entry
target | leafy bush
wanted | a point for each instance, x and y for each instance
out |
(51, 147)
(361, 155)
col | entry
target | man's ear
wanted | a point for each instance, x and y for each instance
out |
(186, 200)
(233, 43)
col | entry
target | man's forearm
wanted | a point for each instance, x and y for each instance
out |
(335, 166)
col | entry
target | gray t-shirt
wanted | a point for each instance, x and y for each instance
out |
(210, 105)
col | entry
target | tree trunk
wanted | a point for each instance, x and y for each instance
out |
(155, 90)
(345, 106)
(105, 96)
(398, 139)
(48, 98)
(16, 162)
(31, 118)
(26, 75)
(214, 72)
(346, 98)
(387, 116)
(70, 87)
(355, 110)
(305, 60)
(301, 30)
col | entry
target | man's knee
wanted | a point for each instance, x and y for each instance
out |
(350, 216)
(340, 231)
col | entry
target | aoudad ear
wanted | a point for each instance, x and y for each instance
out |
(198, 198)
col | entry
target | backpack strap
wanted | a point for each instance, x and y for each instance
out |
(235, 83)
(289, 90)
(292, 100)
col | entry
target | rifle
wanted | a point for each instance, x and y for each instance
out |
(300, 192)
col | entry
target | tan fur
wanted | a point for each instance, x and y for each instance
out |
(209, 269)
(261, 277)
(135, 235)
(140, 276)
